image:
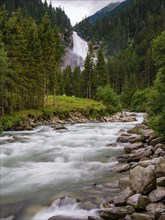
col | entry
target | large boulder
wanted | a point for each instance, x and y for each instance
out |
(113, 213)
(160, 167)
(142, 180)
(138, 201)
(157, 140)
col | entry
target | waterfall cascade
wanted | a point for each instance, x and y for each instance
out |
(76, 56)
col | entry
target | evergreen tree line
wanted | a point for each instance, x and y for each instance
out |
(37, 9)
(30, 56)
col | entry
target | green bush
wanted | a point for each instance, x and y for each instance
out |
(109, 98)
(140, 100)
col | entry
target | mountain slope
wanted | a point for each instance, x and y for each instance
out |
(103, 12)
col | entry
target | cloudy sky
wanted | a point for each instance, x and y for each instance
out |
(78, 9)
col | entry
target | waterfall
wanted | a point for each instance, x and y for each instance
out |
(75, 57)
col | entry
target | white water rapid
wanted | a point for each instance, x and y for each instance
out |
(44, 164)
(75, 57)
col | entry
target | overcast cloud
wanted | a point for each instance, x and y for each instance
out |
(78, 9)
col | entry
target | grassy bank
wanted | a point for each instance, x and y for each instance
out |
(64, 106)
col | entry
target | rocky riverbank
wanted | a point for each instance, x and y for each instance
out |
(72, 118)
(141, 195)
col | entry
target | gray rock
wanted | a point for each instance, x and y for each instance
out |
(120, 200)
(121, 168)
(138, 201)
(152, 207)
(162, 146)
(123, 139)
(142, 185)
(157, 195)
(160, 167)
(144, 163)
(136, 155)
(123, 183)
(159, 152)
(135, 146)
(113, 213)
(160, 181)
(157, 140)
(139, 216)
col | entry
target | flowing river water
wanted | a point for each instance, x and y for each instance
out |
(44, 164)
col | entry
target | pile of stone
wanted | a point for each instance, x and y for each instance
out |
(143, 195)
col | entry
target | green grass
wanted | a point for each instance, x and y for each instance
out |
(64, 106)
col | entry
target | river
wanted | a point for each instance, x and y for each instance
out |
(44, 164)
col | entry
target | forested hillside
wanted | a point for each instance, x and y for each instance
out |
(127, 37)
(32, 41)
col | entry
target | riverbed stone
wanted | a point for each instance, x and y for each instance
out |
(157, 195)
(135, 146)
(113, 213)
(140, 216)
(138, 201)
(142, 185)
(160, 167)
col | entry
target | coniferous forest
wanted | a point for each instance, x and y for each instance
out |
(129, 71)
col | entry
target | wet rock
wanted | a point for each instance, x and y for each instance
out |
(87, 205)
(123, 183)
(132, 147)
(137, 138)
(138, 201)
(160, 167)
(113, 213)
(160, 181)
(152, 207)
(111, 145)
(59, 127)
(157, 195)
(138, 183)
(122, 168)
(61, 217)
(139, 216)
(122, 158)
(93, 218)
(123, 139)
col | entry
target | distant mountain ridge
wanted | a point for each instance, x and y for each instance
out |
(103, 12)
